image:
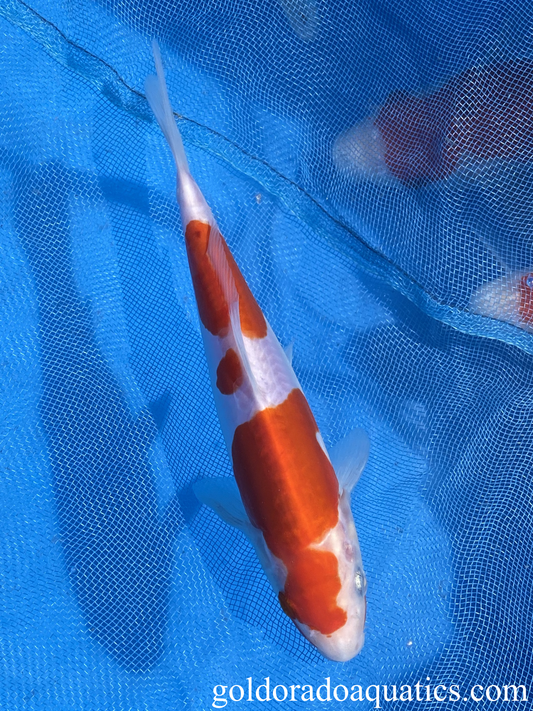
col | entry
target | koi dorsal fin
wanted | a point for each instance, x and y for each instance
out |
(157, 96)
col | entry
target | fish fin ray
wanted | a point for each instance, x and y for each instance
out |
(157, 95)
(289, 352)
(222, 495)
(349, 457)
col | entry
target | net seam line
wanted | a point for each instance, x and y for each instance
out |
(453, 316)
(251, 156)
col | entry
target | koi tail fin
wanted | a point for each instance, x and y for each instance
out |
(157, 95)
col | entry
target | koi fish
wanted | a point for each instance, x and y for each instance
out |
(482, 114)
(290, 499)
(508, 298)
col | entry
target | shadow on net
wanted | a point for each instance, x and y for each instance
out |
(117, 551)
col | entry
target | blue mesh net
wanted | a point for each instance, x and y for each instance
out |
(401, 285)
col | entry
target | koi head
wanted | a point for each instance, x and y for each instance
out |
(347, 641)
(409, 140)
(325, 591)
(360, 152)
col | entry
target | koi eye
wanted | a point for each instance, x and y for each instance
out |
(529, 281)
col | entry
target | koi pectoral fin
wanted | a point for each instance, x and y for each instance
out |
(289, 352)
(222, 495)
(349, 458)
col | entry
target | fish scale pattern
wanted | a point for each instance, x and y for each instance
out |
(370, 167)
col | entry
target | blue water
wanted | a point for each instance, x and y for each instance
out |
(118, 590)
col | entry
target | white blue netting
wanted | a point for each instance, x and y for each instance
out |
(117, 590)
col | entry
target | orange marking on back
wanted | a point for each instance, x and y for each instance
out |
(311, 591)
(253, 322)
(291, 493)
(212, 307)
(229, 373)
(286, 606)
(526, 298)
(288, 484)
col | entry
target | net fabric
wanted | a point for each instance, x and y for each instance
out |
(119, 591)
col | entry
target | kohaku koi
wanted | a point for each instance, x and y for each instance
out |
(480, 115)
(288, 497)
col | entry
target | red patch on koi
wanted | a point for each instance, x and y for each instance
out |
(286, 606)
(212, 307)
(253, 322)
(311, 591)
(526, 298)
(291, 493)
(229, 373)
